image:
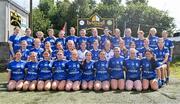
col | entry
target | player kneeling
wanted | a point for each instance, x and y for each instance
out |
(149, 66)
(88, 72)
(31, 73)
(116, 70)
(59, 75)
(102, 76)
(16, 73)
(73, 73)
(45, 73)
(133, 72)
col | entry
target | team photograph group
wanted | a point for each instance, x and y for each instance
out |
(99, 62)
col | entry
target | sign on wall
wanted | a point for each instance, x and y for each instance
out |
(95, 21)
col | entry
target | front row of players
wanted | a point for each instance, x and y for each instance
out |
(117, 73)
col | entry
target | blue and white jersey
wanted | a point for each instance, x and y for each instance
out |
(88, 71)
(81, 39)
(160, 54)
(32, 71)
(95, 54)
(143, 50)
(132, 69)
(73, 38)
(39, 52)
(101, 67)
(139, 44)
(91, 41)
(153, 40)
(116, 67)
(169, 44)
(25, 54)
(52, 41)
(54, 54)
(59, 67)
(104, 38)
(115, 41)
(62, 41)
(15, 40)
(67, 54)
(45, 70)
(148, 69)
(29, 40)
(127, 41)
(73, 70)
(17, 70)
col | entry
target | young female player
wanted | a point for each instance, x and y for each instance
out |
(95, 50)
(45, 73)
(88, 72)
(101, 74)
(16, 73)
(149, 66)
(153, 39)
(73, 73)
(162, 55)
(31, 68)
(51, 38)
(82, 51)
(59, 72)
(24, 50)
(133, 72)
(116, 70)
(70, 48)
(108, 51)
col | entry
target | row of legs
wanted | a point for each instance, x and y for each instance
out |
(77, 85)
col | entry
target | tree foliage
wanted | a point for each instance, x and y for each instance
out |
(54, 15)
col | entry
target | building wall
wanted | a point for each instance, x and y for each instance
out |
(2, 21)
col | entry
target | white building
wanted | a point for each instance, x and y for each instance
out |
(13, 13)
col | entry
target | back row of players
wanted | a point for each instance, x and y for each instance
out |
(96, 62)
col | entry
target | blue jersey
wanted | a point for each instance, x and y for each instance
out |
(153, 40)
(62, 41)
(169, 44)
(45, 70)
(17, 70)
(143, 50)
(88, 71)
(73, 70)
(81, 39)
(101, 68)
(73, 38)
(91, 41)
(132, 69)
(139, 44)
(104, 38)
(39, 52)
(115, 41)
(32, 71)
(148, 69)
(54, 54)
(59, 67)
(116, 67)
(160, 54)
(95, 54)
(67, 53)
(29, 40)
(52, 41)
(127, 41)
(25, 54)
(15, 40)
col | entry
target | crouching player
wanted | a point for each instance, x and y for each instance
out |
(31, 68)
(16, 73)
(149, 66)
(59, 72)
(45, 73)
(88, 72)
(133, 72)
(116, 70)
(101, 75)
(73, 72)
